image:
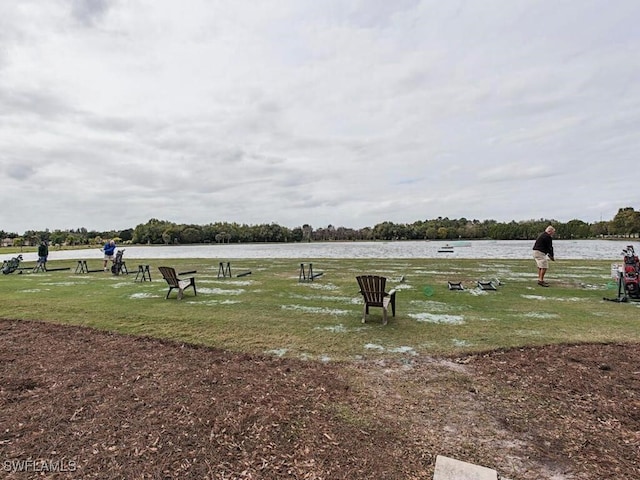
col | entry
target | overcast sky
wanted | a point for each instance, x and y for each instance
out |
(348, 113)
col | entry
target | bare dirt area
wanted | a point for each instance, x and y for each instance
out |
(77, 403)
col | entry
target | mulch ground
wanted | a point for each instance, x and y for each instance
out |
(80, 404)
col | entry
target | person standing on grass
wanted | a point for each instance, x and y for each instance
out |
(43, 253)
(543, 252)
(108, 249)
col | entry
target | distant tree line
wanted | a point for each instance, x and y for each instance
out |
(626, 223)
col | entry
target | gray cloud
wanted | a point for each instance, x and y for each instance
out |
(342, 113)
(20, 172)
(89, 12)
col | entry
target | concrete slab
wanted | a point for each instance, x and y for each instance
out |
(452, 469)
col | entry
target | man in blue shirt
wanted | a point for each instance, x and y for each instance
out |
(108, 249)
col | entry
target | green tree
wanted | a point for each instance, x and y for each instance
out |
(152, 231)
(191, 234)
(307, 231)
(18, 242)
(600, 229)
(296, 234)
(575, 229)
(626, 222)
(126, 235)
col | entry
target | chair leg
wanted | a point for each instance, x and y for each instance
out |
(364, 314)
(385, 308)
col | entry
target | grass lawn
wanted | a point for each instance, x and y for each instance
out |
(269, 311)
(121, 403)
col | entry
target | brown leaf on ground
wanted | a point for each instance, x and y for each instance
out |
(79, 403)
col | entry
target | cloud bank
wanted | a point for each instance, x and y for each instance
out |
(347, 113)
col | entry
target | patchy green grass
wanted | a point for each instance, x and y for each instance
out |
(270, 311)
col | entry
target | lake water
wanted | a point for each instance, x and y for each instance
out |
(507, 249)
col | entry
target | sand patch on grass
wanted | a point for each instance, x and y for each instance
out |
(438, 273)
(401, 349)
(234, 283)
(541, 315)
(321, 286)
(326, 298)
(217, 302)
(334, 328)
(139, 295)
(440, 319)
(433, 305)
(557, 299)
(222, 291)
(278, 352)
(478, 291)
(317, 310)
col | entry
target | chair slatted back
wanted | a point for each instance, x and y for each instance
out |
(170, 275)
(372, 288)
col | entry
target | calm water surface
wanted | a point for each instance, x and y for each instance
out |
(508, 249)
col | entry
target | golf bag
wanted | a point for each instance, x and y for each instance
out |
(10, 266)
(118, 266)
(631, 273)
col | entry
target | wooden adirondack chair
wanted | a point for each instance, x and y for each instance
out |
(170, 275)
(372, 288)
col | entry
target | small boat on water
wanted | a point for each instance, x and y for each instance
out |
(446, 249)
